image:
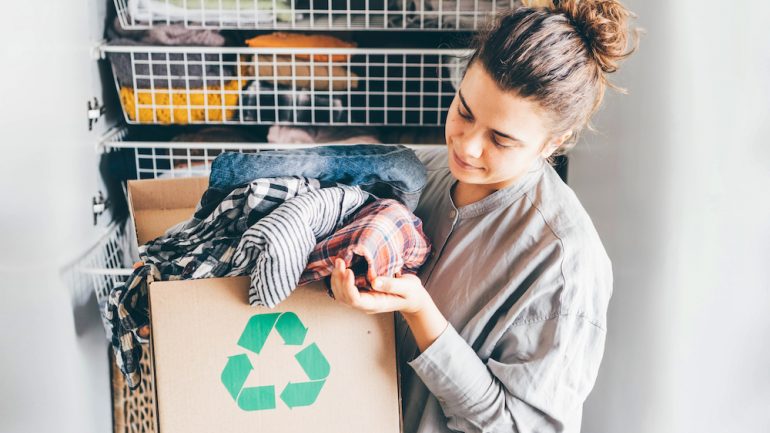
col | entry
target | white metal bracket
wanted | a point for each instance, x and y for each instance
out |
(95, 111)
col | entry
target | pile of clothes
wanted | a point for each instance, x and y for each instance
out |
(170, 88)
(282, 217)
(242, 13)
(296, 87)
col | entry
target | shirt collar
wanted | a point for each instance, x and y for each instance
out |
(499, 198)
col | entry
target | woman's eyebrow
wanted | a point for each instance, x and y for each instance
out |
(468, 109)
(465, 104)
(510, 137)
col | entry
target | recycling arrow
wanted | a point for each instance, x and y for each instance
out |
(313, 362)
(257, 330)
(234, 376)
(235, 373)
(257, 398)
(291, 329)
(301, 394)
(254, 336)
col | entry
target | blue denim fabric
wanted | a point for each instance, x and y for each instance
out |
(386, 171)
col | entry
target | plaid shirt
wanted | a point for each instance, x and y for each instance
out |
(383, 239)
(126, 312)
(246, 231)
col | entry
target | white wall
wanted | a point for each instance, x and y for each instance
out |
(52, 378)
(677, 184)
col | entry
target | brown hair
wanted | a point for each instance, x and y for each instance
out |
(558, 55)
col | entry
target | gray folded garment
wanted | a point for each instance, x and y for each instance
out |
(174, 34)
(169, 70)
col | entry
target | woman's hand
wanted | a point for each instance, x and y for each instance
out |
(405, 294)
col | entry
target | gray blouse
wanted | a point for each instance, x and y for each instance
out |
(524, 282)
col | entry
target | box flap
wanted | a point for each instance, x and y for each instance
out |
(158, 204)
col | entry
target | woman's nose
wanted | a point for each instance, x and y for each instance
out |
(472, 144)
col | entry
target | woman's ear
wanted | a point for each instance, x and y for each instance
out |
(554, 144)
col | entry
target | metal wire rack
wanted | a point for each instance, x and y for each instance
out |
(103, 266)
(301, 86)
(163, 159)
(312, 14)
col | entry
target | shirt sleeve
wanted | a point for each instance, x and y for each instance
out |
(536, 380)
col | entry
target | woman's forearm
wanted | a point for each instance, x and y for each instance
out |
(426, 324)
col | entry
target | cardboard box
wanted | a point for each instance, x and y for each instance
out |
(221, 365)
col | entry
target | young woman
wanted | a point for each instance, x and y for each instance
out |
(504, 329)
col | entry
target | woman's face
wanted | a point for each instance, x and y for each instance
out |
(497, 134)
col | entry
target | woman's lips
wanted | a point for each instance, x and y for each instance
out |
(462, 164)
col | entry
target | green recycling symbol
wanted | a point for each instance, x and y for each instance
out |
(253, 338)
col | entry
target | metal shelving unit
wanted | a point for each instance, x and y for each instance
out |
(430, 15)
(301, 86)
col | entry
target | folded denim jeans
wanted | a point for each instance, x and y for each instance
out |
(385, 171)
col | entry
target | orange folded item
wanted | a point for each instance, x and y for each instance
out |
(299, 40)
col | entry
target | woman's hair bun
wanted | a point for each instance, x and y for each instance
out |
(603, 24)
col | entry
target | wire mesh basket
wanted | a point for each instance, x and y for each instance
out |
(101, 267)
(302, 86)
(171, 159)
(312, 14)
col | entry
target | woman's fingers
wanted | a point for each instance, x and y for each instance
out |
(389, 298)
(375, 302)
(343, 283)
(395, 286)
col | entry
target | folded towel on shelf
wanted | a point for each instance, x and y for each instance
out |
(299, 40)
(266, 103)
(173, 34)
(166, 106)
(176, 34)
(302, 74)
(241, 12)
(285, 134)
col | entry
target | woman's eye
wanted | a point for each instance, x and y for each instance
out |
(463, 115)
(497, 144)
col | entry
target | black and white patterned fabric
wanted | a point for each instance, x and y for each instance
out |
(275, 250)
(227, 237)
